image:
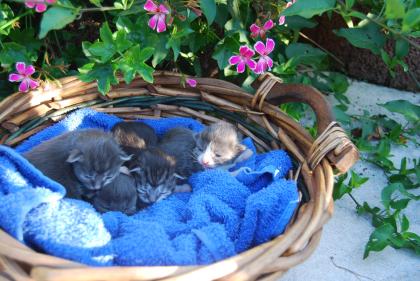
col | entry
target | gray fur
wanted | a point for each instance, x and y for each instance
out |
(120, 195)
(218, 144)
(83, 161)
(154, 173)
(180, 143)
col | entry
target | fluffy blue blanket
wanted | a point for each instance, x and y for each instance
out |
(223, 216)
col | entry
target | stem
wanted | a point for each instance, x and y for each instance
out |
(354, 200)
(99, 9)
(58, 43)
(15, 19)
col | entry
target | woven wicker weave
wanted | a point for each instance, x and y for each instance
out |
(258, 116)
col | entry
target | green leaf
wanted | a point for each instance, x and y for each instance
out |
(379, 239)
(209, 9)
(225, 49)
(410, 111)
(356, 180)
(297, 22)
(121, 42)
(405, 224)
(349, 4)
(97, 3)
(395, 9)
(146, 72)
(411, 19)
(399, 204)
(305, 54)
(13, 52)
(105, 33)
(145, 54)
(56, 18)
(104, 51)
(308, 9)
(367, 37)
(401, 48)
(133, 62)
(103, 74)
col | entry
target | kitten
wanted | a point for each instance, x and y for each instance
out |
(82, 161)
(154, 174)
(180, 143)
(218, 145)
(133, 136)
(120, 195)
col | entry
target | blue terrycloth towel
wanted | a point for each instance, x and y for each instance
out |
(223, 216)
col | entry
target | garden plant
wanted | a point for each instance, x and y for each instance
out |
(235, 40)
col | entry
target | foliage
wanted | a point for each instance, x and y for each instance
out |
(105, 40)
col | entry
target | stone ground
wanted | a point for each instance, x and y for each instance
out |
(339, 255)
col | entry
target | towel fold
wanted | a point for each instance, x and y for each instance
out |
(223, 216)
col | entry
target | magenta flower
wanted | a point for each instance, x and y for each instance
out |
(244, 58)
(264, 62)
(261, 31)
(282, 19)
(24, 77)
(39, 5)
(158, 20)
(191, 82)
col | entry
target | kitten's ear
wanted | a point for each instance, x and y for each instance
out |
(179, 176)
(124, 157)
(75, 156)
(240, 147)
(136, 170)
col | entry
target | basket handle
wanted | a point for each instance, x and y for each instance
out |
(332, 141)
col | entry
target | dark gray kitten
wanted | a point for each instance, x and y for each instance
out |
(83, 161)
(120, 195)
(217, 145)
(154, 173)
(180, 144)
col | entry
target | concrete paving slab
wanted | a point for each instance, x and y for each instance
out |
(340, 253)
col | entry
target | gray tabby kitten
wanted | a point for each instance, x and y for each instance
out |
(120, 195)
(154, 173)
(82, 161)
(217, 145)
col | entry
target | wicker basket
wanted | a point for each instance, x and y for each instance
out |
(258, 116)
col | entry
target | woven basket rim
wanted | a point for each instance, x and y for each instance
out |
(23, 115)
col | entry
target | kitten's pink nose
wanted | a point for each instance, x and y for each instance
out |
(205, 162)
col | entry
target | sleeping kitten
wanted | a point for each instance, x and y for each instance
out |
(217, 145)
(180, 143)
(82, 161)
(133, 136)
(120, 195)
(154, 174)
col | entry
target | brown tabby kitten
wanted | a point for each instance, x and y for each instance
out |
(82, 161)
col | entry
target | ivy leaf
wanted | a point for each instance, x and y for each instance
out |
(356, 180)
(308, 9)
(209, 9)
(105, 33)
(134, 62)
(121, 42)
(410, 111)
(56, 18)
(402, 48)
(225, 49)
(305, 54)
(379, 239)
(103, 74)
(97, 3)
(395, 9)
(104, 51)
(13, 52)
(405, 224)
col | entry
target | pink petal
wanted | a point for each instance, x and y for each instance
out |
(245, 51)
(282, 20)
(50, 1)
(270, 45)
(260, 48)
(289, 4)
(21, 67)
(251, 64)
(24, 86)
(249, 53)
(32, 83)
(269, 62)
(161, 24)
(268, 25)
(150, 6)
(29, 70)
(41, 7)
(14, 77)
(163, 9)
(30, 4)
(153, 21)
(192, 82)
(240, 68)
(234, 60)
(254, 28)
(261, 66)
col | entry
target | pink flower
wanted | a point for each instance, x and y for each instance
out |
(282, 19)
(191, 82)
(24, 77)
(158, 20)
(261, 31)
(244, 58)
(264, 61)
(39, 5)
